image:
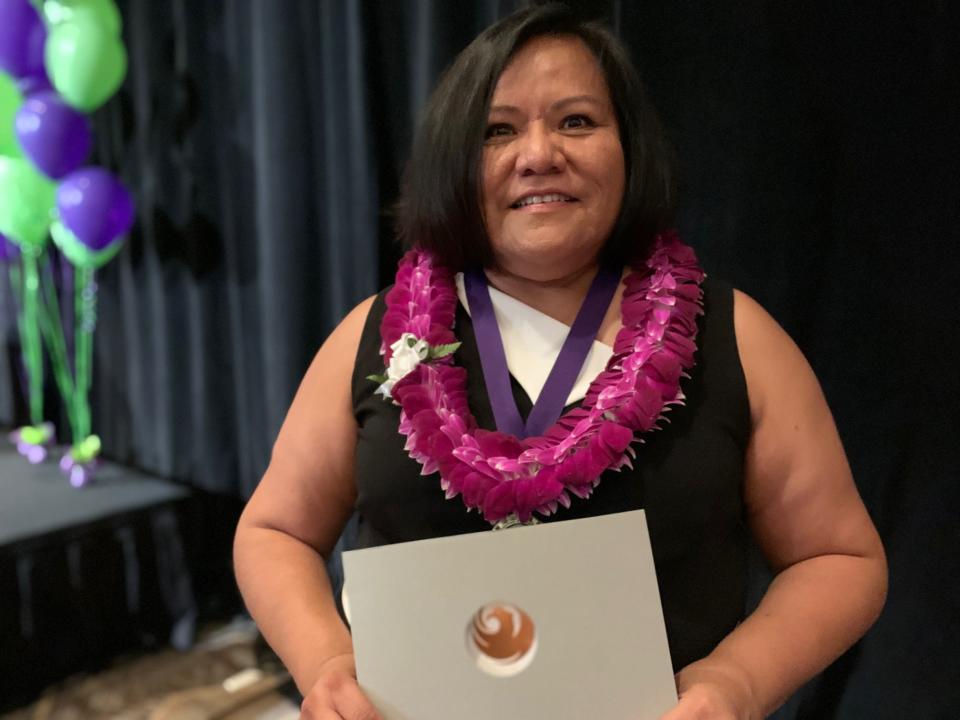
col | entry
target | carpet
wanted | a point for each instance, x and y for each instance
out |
(230, 675)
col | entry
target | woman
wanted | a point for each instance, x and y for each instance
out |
(541, 162)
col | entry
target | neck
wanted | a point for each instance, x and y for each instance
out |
(560, 298)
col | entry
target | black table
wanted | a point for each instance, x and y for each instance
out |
(88, 573)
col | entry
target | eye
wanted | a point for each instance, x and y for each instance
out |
(576, 122)
(498, 130)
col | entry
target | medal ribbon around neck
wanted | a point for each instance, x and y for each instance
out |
(508, 478)
(549, 404)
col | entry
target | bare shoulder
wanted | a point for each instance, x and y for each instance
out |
(799, 493)
(774, 367)
(347, 333)
(332, 366)
(308, 489)
(787, 406)
(355, 319)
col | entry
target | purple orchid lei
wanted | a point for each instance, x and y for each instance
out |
(511, 479)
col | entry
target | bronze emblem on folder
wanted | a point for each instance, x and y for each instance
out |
(502, 639)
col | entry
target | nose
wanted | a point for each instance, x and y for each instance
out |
(539, 152)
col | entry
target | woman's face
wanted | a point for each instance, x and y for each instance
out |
(553, 167)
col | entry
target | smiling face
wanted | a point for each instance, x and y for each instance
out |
(553, 168)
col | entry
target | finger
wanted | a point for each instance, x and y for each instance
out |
(681, 711)
(352, 704)
(314, 709)
(321, 714)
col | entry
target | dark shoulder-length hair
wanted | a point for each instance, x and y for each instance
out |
(439, 206)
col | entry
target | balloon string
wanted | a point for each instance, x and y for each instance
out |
(31, 337)
(85, 304)
(52, 328)
(16, 290)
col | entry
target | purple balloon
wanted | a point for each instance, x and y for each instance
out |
(22, 37)
(53, 135)
(95, 206)
(33, 84)
(8, 250)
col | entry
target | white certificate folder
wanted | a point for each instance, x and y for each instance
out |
(558, 620)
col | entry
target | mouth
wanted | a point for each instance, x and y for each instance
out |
(542, 199)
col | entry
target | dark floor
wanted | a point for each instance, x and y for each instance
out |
(230, 674)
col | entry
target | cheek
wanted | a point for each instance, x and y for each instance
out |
(618, 187)
(612, 159)
(603, 164)
(495, 187)
(611, 172)
(493, 215)
(491, 186)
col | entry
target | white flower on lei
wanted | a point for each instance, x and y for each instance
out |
(408, 352)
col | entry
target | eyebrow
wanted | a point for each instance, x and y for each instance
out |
(559, 104)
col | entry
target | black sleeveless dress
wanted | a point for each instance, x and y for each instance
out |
(688, 477)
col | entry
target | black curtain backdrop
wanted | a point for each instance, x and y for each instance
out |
(264, 141)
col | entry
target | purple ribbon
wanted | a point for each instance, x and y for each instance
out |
(549, 405)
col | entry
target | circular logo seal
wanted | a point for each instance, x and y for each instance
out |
(502, 639)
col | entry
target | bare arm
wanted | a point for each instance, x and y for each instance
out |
(813, 528)
(298, 511)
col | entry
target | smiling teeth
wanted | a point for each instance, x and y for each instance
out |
(535, 199)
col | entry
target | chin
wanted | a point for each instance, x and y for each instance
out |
(551, 259)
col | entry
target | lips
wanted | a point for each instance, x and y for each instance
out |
(541, 198)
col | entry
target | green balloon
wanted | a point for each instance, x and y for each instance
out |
(86, 64)
(26, 203)
(78, 253)
(103, 12)
(10, 102)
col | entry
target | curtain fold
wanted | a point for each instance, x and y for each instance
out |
(244, 133)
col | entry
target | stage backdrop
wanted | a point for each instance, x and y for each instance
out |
(264, 140)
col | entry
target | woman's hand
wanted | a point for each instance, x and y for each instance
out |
(336, 695)
(711, 692)
(704, 702)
